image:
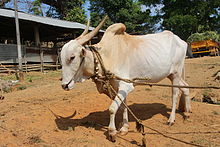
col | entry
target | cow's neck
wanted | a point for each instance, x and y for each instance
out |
(89, 71)
(89, 65)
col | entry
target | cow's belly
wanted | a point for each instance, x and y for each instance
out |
(155, 64)
(154, 74)
(155, 71)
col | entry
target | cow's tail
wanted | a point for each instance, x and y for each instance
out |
(189, 51)
(183, 73)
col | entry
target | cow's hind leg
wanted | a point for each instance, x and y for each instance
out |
(175, 93)
(124, 89)
(184, 104)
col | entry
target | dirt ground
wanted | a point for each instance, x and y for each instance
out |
(44, 115)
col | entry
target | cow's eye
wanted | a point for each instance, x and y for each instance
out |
(72, 58)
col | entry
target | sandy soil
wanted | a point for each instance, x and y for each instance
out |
(45, 115)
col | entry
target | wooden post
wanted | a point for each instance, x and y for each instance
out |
(41, 60)
(20, 71)
(25, 62)
(37, 41)
(57, 61)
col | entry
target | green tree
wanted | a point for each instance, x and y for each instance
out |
(185, 17)
(204, 36)
(3, 2)
(128, 12)
(36, 8)
(71, 10)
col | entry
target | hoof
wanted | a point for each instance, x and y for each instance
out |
(186, 117)
(124, 130)
(170, 123)
(190, 112)
(112, 134)
(2, 97)
(112, 138)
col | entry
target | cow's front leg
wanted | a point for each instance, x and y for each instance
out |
(125, 125)
(124, 89)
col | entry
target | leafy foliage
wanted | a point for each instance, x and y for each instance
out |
(204, 36)
(181, 25)
(36, 8)
(75, 14)
(128, 12)
(185, 17)
(3, 2)
(66, 9)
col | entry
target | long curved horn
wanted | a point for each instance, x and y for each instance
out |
(85, 31)
(89, 36)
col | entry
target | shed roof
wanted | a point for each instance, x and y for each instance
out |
(49, 28)
(43, 20)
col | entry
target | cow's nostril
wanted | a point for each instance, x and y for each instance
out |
(65, 86)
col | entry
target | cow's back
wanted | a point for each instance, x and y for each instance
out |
(157, 56)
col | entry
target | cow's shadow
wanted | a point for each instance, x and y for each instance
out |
(100, 119)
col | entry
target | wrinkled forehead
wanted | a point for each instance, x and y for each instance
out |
(71, 46)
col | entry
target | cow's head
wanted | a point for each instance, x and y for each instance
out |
(72, 57)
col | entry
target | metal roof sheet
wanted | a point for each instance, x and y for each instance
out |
(44, 20)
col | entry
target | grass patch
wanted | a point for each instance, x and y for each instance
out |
(22, 87)
(206, 92)
(218, 103)
(31, 79)
(35, 139)
(215, 112)
(7, 89)
(196, 100)
(54, 73)
(9, 77)
(201, 141)
(166, 96)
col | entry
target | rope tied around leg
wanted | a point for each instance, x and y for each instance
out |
(139, 124)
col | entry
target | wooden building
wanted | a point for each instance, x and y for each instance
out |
(37, 34)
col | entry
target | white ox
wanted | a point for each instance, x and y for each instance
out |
(155, 56)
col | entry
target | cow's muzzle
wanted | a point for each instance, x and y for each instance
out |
(69, 85)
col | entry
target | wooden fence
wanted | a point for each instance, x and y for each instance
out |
(34, 58)
(28, 68)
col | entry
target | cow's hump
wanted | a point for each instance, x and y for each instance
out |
(117, 28)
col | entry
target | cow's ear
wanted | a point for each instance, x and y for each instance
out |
(83, 53)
